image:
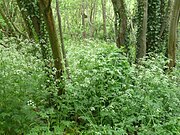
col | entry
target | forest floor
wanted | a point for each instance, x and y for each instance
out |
(107, 95)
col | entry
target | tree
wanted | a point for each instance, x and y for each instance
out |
(34, 22)
(91, 16)
(165, 16)
(142, 28)
(158, 14)
(84, 16)
(46, 10)
(154, 24)
(103, 2)
(120, 21)
(172, 39)
(62, 40)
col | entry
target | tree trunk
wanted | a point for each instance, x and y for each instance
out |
(83, 19)
(62, 40)
(172, 39)
(45, 6)
(142, 28)
(154, 27)
(103, 2)
(120, 22)
(165, 16)
(35, 25)
(92, 14)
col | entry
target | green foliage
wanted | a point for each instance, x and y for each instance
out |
(2, 21)
(2, 24)
(107, 95)
(154, 25)
(156, 19)
(30, 6)
(21, 77)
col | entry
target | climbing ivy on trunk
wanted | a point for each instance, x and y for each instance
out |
(156, 28)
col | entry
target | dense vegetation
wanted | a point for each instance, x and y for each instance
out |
(108, 91)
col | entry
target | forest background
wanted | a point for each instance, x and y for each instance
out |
(90, 67)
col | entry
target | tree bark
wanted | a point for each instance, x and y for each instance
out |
(120, 22)
(34, 24)
(45, 6)
(62, 40)
(172, 39)
(142, 28)
(83, 19)
(92, 14)
(103, 2)
(165, 14)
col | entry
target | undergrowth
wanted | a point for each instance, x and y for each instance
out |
(106, 96)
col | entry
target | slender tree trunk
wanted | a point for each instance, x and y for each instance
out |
(62, 40)
(120, 22)
(103, 2)
(172, 39)
(142, 28)
(83, 19)
(92, 17)
(45, 6)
